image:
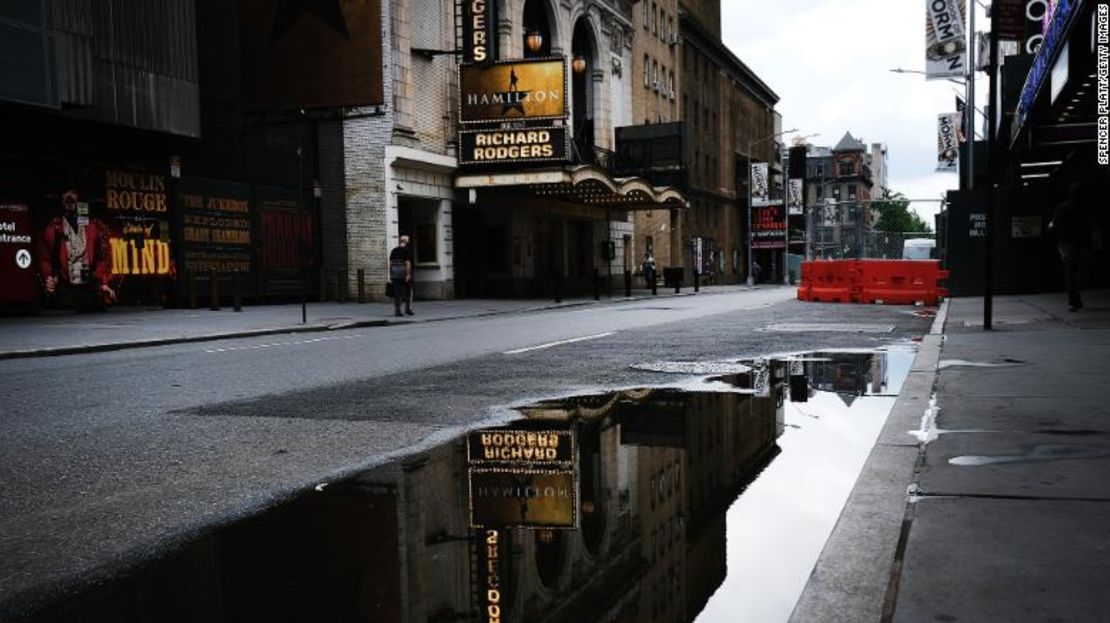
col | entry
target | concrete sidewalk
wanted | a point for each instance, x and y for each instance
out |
(995, 504)
(70, 333)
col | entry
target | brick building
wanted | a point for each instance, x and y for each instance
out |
(699, 143)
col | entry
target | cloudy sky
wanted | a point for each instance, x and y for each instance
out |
(829, 62)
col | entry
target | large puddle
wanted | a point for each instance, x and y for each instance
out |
(706, 501)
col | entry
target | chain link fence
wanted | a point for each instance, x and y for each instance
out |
(840, 243)
(843, 234)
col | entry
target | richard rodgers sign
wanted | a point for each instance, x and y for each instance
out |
(530, 145)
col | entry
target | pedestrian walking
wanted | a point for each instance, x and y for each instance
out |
(649, 268)
(400, 276)
(1072, 240)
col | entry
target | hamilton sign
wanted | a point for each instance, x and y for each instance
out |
(513, 90)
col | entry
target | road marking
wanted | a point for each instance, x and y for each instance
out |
(559, 343)
(273, 344)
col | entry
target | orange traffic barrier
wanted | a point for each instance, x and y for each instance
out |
(891, 282)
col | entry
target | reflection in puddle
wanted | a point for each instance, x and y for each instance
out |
(637, 505)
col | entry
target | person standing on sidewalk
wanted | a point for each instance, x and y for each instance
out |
(1072, 238)
(400, 275)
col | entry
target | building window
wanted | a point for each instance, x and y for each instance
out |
(647, 16)
(851, 191)
(647, 71)
(846, 168)
(670, 26)
(654, 19)
(655, 75)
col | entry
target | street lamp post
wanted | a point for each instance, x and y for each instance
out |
(751, 145)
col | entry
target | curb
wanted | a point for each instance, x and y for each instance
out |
(354, 324)
(860, 561)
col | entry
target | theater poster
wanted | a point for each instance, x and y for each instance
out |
(217, 231)
(287, 241)
(105, 240)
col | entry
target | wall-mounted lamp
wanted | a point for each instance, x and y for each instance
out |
(578, 64)
(533, 40)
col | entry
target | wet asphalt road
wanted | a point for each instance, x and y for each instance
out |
(108, 458)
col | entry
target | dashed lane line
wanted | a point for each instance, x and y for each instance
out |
(558, 343)
(290, 343)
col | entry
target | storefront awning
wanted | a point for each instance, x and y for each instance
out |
(583, 184)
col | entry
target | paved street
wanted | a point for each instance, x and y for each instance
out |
(110, 457)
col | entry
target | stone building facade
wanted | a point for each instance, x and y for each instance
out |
(493, 234)
(699, 142)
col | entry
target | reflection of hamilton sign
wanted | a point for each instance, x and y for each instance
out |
(523, 498)
(508, 90)
(522, 478)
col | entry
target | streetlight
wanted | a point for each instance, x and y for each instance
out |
(786, 207)
(751, 145)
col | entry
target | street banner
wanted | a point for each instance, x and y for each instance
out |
(759, 192)
(947, 144)
(945, 45)
(795, 202)
(961, 108)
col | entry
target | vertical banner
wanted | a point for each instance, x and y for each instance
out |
(947, 145)
(945, 39)
(961, 108)
(759, 193)
(478, 31)
(795, 202)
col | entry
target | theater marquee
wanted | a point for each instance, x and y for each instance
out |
(530, 145)
(513, 90)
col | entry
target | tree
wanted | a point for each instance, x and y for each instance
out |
(895, 214)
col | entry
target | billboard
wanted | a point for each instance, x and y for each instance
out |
(312, 54)
(769, 226)
(945, 39)
(287, 240)
(216, 232)
(513, 90)
(105, 239)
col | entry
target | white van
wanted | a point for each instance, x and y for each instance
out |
(918, 248)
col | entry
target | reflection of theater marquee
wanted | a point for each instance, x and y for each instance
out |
(522, 478)
(523, 498)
